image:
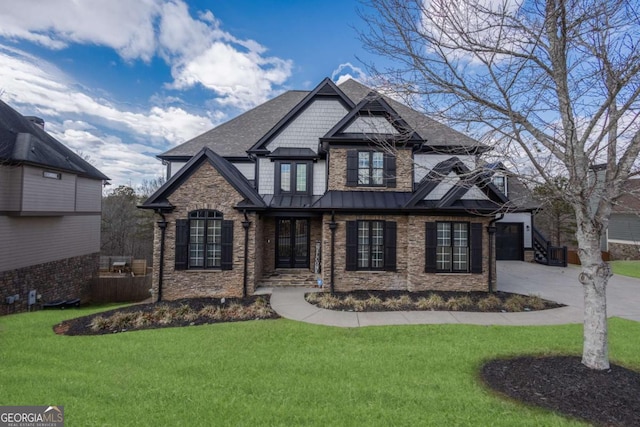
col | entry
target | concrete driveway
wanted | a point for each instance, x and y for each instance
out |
(561, 285)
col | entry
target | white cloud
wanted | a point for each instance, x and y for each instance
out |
(197, 50)
(341, 75)
(56, 23)
(88, 124)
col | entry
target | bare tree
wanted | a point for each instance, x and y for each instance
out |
(555, 82)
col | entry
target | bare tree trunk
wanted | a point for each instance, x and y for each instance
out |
(594, 278)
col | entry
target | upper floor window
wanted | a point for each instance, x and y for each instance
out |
(500, 181)
(370, 168)
(293, 177)
(204, 241)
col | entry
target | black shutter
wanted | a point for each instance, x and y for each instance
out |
(476, 247)
(227, 245)
(390, 170)
(390, 246)
(352, 168)
(431, 242)
(182, 244)
(352, 246)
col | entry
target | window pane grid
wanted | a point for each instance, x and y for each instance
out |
(370, 168)
(452, 251)
(370, 244)
(205, 239)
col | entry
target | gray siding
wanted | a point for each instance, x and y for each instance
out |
(312, 124)
(34, 240)
(42, 194)
(88, 195)
(319, 178)
(10, 187)
(266, 169)
(246, 169)
(625, 227)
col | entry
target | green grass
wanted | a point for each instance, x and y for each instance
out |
(626, 268)
(279, 372)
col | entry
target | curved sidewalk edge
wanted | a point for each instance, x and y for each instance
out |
(290, 303)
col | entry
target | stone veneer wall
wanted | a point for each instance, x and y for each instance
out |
(410, 256)
(57, 280)
(206, 189)
(623, 251)
(338, 171)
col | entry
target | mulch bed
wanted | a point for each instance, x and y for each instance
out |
(475, 297)
(81, 325)
(563, 384)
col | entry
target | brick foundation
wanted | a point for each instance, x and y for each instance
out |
(57, 280)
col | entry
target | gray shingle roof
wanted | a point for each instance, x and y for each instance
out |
(23, 142)
(235, 137)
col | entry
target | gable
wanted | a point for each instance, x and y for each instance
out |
(371, 125)
(313, 122)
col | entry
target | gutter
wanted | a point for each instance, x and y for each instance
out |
(332, 226)
(491, 229)
(245, 224)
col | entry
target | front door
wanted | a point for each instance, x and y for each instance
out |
(292, 243)
(509, 245)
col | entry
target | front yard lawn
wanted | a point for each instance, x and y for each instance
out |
(279, 372)
(626, 268)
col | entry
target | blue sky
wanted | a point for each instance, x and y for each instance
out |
(121, 81)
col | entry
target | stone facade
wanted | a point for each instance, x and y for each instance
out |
(206, 189)
(623, 251)
(338, 175)
(56, 280)
(410, 259)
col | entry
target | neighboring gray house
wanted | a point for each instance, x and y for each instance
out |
(622, 239)
(337, 184)
(50, 207)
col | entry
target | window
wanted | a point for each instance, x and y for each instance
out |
(500, 181)
(371, 245)
(452, 253)
(370, 168)
(204, 241)
(293, 177)
(453, 247)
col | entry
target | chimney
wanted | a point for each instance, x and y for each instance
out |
(36, 120)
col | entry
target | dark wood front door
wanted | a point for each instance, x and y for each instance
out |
(509, 241)
(292, 243)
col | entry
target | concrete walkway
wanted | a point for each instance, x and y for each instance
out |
(554, 283)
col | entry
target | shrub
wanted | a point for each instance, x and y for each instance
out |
(183, 310)
(142, 319)
(349, 301)
(459, 303)
(263, 312)
(405, 300)
(535, 302)
(99, 323)
(235, 311)
(328, 301)
(489, 303)
(122, 320)
(515, 303)
(211, 312)
(311, 298)
(260, 302)
(373, 302)
(432, 302)
(392, 303)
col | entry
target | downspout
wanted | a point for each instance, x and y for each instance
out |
(245, 224)
(491, 228)
(163, 228)
(332, 226)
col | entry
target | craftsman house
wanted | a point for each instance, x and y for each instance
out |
(50, 206)
(339, 186)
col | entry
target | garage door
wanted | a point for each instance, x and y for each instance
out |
(509, 245)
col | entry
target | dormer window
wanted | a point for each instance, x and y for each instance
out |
(370, 168)
(293, 177)
(500, 181)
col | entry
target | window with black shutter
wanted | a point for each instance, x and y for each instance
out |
(204, 241)
(453, 247)
(371, 245)
(369, 168)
